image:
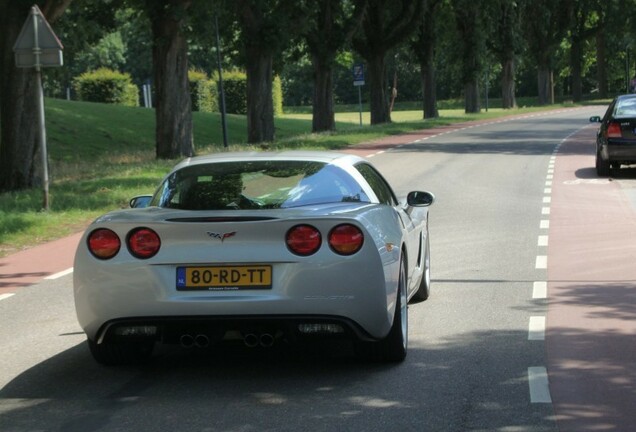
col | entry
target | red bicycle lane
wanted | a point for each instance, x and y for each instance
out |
(31, 265)
(591, 322)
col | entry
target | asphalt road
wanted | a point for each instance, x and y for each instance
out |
(476, 359)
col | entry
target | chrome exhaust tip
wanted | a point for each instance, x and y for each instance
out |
(187, 341)
(201, 341)
(266, 340)
(251, 340)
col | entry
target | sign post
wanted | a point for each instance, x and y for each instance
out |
(37, 46)
(358, 81)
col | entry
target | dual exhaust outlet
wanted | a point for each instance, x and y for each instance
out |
(198, 341)
(251, 340)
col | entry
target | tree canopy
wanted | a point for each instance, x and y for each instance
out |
(413, 50)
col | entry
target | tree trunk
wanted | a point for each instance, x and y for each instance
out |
(601, 64)
(471, 90)
(386, 24)
(18, 107)
(575, 64)
(427, 71)
(173, 111)
(260, 108)
(508, 84)
(379, 105)
(544, 83)
(424, 49)
(429, 90)
(323, 118)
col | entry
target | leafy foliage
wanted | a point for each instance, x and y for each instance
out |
(107, 86)
(277, 96)
(235, 86)
(203, 92)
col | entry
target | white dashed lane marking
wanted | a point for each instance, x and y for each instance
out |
(60, 274)
(5, 296)
(539, 290)
(536, 328)
(539, 388)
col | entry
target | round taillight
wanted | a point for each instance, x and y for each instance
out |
(346, 239)
(303, 240)
(103, 243)
(143, 243)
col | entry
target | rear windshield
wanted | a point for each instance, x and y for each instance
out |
(625, 108)
(257, 185)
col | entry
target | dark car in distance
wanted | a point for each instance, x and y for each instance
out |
(616, 137)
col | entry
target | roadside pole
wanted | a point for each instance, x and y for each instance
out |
(37, 46)
(221, 90)
(358, 81)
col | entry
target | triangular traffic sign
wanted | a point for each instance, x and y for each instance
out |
(46, 37)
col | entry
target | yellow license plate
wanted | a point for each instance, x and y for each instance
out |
(224, 278)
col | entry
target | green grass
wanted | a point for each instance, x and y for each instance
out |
(102, 155)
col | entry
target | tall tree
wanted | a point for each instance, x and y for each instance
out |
(18, 89)
(331, 25)
(423, 46)
(85, 28)
(266, 27)
(615, 34)
(506, 44)
(173, 111)
(386, 24)
(582, 27)
(601, 52)
(469, 17)
(545, 26)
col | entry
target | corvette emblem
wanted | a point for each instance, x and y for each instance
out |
(221, 236)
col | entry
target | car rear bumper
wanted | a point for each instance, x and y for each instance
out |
(197, 330)
(344, 290)
(619, 151)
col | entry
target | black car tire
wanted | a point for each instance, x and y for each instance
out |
(122, 353)
(602, 166)
(393, 347)
(424, 290)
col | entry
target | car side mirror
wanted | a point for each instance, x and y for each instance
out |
(140, 201)
(420, 199)
(595, 119)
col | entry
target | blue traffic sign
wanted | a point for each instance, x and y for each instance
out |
(358, 74)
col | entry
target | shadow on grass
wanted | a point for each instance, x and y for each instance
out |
(11, 223)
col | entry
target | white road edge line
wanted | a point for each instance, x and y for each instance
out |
(543, 240)
(545, 224)
(540, 290)
(6, 296)
(542, 262)
(536, 328)
(539, 386)
(60, 274)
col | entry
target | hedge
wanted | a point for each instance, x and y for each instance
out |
(235, 87)
(203, 92)
(106, 86)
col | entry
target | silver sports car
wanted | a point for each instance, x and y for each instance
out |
(258, 249)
